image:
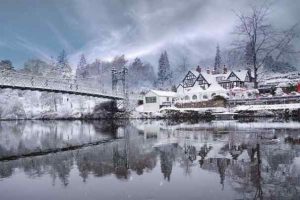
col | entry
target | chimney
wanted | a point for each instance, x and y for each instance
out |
(225, 70)
(250, 73)
(207, 71)
(198, 69)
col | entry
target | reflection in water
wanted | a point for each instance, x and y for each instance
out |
(219, 159)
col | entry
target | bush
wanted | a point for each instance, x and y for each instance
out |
(219, 98)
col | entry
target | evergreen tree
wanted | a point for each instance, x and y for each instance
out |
(62, 66)
(217, 66)
(82, 62)
(149, 72)
(139, 69)
(81, 70)
(164, 71)
(62, 58)
(137, 65)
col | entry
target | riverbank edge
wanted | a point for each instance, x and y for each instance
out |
(176, 115)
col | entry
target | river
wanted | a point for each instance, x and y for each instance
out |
(149, 159)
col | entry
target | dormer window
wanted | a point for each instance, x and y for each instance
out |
(201, 80)
(233, 77)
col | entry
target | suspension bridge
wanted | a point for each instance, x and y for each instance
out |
(21, 81)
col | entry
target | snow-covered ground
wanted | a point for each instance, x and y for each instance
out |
(292, 106)
(213, 109)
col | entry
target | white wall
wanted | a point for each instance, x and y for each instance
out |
(151, 107)
(154, 107)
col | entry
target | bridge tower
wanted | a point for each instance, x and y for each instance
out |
(119, 79)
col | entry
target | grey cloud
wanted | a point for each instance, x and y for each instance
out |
(144, 28)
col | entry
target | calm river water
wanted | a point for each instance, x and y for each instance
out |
(149, 160)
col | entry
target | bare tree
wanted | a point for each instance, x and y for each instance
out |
(260, 40)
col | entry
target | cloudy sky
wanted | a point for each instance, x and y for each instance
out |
(106, 28)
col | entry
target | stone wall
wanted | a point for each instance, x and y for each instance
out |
(202, 104)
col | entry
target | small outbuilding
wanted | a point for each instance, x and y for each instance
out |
(156, 99)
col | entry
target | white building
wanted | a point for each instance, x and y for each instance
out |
(156, 99)
(200, 85)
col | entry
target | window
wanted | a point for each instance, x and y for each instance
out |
(168, 99)
(150, 99)
(186, 98)
(205, 96)
(213, 94)
(194, 97)
(201, 80)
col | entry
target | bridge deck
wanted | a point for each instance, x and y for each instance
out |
(20, 81)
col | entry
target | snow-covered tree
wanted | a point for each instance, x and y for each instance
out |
(81, 70)
(36, 67)
(256, 34)
(164, 71)
(62, 67)
(149, 72)
(145, 73)
(119, 62)
(272, 65)
(6, 65)
(137, 65)
(217, 65)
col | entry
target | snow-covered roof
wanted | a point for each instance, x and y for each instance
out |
(241, 74)
(164, 93)
(180, 85)
(215, 87)
(210, 78)
(196, 73)
(197, 88)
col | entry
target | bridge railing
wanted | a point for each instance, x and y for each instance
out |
(27, 81)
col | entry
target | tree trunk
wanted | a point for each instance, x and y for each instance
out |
(254, 66)
(255, 78)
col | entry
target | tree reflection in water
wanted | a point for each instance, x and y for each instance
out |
(241, 160)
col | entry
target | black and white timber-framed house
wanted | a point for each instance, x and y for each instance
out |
(226, 79)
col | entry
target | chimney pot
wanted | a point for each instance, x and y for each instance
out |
(198, 69)
(225, 70)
